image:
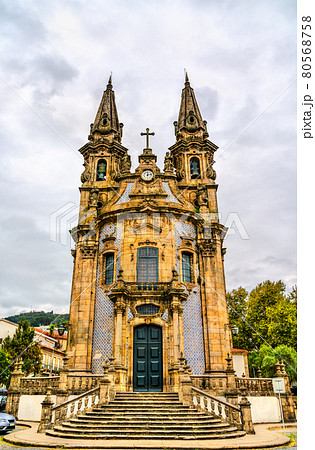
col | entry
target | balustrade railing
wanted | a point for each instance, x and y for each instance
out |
(209, 382)
(148, 287)
(82, 383)
(71, 408)
(38, 385)
(220, 408)
(256, 386)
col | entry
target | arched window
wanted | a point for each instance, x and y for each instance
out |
(187, 263)
(194, 168)
(101, 170)
(147, 265)
(109, 268)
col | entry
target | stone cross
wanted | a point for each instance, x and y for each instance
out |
(147, 134)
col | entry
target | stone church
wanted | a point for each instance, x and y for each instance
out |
(148, 286)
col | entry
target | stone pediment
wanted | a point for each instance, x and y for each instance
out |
(144, 189)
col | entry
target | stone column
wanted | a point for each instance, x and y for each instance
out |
(104, 386)
(246, 413)
(62, 391)
(231, 393)
(287, 398)
(213, 300)
(46, 415)
(119, 296)
(14, 391)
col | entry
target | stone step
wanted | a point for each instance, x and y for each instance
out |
(137, 414)
(144, 425)
(128, 404)
(149, 430)
(145, 419)
(234, 434)
(145, 416)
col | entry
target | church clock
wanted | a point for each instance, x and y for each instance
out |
(147, 175)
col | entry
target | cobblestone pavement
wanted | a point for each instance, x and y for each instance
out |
(5, 446)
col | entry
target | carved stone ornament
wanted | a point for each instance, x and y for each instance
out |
(125, 164)
(94, 197)
(201, 196)
(211, 173)
(206, 247)
(88, 251)
(87, 174)
(168, 163)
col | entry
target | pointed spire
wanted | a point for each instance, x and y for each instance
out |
(189, 121)
(106, 124)
(187, 83)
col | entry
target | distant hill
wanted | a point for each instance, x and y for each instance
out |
(38, 318)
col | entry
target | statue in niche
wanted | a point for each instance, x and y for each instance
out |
(211, 173)
(94, 196)
(202, 197)
(168, 163)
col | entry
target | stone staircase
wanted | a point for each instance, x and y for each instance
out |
(145, 416)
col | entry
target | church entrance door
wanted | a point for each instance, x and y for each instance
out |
(147, 359)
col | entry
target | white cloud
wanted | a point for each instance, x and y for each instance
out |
(57, 57)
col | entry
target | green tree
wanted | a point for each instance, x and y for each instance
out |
(266, 358)
(266, 315)
(4, 368)
(22, 345)
(237, 301)
(265, 295)
(282, 323)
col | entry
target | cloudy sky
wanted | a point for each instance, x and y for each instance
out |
(56, 57)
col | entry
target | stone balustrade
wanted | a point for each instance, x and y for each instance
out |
(76, 384)
(38, 385)
(226, 411)
(82, 383)
(54, 415)
(147, 287)
(212, 383)
(256, 386)
(71, 408)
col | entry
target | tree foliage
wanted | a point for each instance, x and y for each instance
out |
(22, 345)
(38, 318)
(266, 315)
(266, 358)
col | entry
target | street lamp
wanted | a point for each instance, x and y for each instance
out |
(234, 330)
(61, 330)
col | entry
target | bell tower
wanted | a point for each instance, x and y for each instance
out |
(193, 154)
(105, 161)
(193, 159)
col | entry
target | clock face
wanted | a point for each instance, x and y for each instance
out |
(147, 175)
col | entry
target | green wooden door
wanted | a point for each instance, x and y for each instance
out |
(147, 359)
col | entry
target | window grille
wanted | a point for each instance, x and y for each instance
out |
(187, 259)
(109, 268)
(147, 265)
(148, 309)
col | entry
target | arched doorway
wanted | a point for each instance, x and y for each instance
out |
(147, 359)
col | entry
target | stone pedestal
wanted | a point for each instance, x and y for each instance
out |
(46, 415)
(246, 413)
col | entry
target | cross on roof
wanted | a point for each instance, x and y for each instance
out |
(147, 134)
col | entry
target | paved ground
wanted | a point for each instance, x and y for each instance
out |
(266, 436)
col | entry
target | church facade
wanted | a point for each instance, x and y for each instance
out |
(148, 286)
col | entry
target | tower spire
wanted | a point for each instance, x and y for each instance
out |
(106, 124)
(190, 121)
